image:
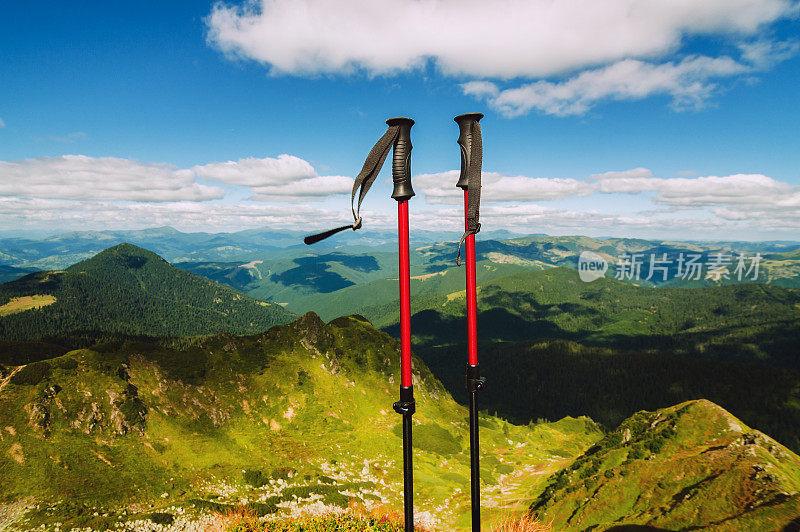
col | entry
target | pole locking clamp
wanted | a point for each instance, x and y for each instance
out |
(475, 382)
(405, 407)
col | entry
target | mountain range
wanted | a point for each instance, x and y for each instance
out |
(255, 259)
(131, 389)
(61, 250)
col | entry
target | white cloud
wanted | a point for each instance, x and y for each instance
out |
(728, 223)
(687, 82)
(533, 218)
(191, 216)
(764, 54)
(495, 39)
(746, 194)
(725, 222)
(72, 192)
(253, 172)
(2, 124)
(737, 189)
(441, 187)
(285, 178)
(719, 205)
(480, 89)
(76, 177)
(106, 178)
(318, 187)
(736, 202)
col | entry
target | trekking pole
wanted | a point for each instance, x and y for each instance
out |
(401, 176)
(398, 136)
(470, 181)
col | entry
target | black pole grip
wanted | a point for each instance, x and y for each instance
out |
(465, 122)
(401, 159)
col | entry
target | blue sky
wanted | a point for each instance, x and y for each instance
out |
(649, 119)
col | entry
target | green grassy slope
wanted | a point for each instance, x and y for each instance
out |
(378, 299)
(132, 430)
(301, 409)
(129, 290)
(688, 467)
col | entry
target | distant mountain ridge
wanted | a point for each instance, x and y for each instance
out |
(59, 251)
(126, 289)
(271, 253)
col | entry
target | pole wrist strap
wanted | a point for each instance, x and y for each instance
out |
(363, 182)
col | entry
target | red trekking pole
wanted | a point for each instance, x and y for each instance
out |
(401, 176)
(470, 181)
(398, 136)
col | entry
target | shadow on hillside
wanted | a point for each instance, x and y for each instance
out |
(315, 273)
(433, 328)
(778, 339)
(20, 353)
(553, 378)
(532, 320)
(794, 526)
(493, 296)
(34, 283)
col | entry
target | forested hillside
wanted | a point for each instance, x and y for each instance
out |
(126, 289)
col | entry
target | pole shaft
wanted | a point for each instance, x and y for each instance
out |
(472, 295)
(475, 469)
(406, 389)
(408, 475)
(405, 295)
